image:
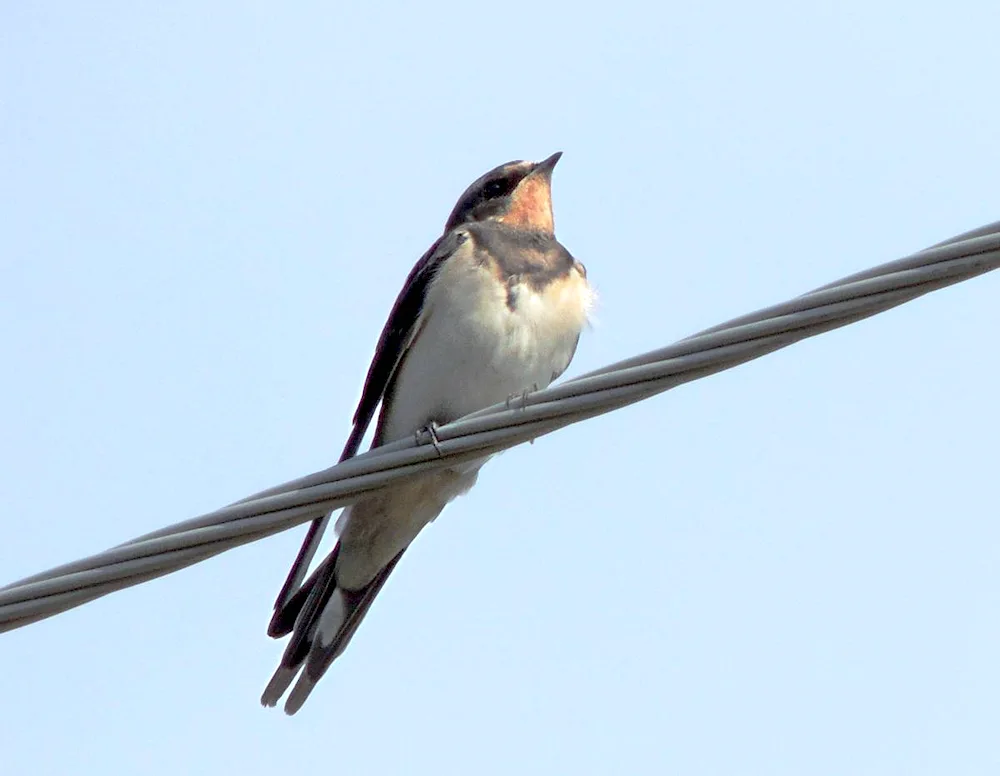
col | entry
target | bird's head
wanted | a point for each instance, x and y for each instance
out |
(516, 193)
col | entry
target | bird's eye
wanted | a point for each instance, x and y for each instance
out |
(497, 188)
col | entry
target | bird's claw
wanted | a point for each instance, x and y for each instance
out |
(523, 396)
(430, 430)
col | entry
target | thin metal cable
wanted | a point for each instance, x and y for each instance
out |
(502, 426)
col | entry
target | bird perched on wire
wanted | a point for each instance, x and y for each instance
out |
(494, 308)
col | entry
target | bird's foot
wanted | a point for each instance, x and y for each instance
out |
(523, 396)
(430, 430)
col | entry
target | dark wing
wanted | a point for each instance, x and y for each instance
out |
(397, 334)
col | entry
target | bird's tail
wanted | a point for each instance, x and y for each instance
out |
(322, 617)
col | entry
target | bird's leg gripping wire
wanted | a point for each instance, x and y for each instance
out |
(430, 430)
(522, 396)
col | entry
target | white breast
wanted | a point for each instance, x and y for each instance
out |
(473, 350)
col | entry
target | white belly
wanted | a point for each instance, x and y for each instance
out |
(474, 350)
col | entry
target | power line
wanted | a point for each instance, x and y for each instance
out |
(502, 426)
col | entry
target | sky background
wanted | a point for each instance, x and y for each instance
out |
(791, 567)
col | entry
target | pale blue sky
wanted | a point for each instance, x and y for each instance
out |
(792, 567)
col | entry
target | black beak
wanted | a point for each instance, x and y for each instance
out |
(546, 166)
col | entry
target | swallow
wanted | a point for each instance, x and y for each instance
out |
(494, 308)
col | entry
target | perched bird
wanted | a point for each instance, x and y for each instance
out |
(494, 308)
